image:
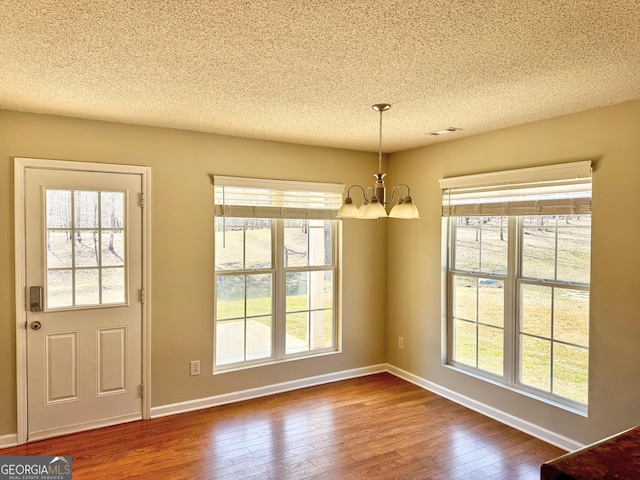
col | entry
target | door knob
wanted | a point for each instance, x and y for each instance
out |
(36, 325)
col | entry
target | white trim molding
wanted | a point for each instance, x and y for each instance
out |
(227, 398)
(537, 431)
(20, 167)
(198, 404)
(10, 440)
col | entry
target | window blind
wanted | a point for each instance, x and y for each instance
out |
(265, 198)
(563, 189)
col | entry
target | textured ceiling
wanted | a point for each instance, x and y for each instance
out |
(308, 71)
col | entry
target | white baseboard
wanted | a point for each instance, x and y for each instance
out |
(10, 440)
(548, 436)
(544, 434)
(198, 404)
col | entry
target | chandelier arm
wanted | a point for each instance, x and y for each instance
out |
(364, 193)
(407, 187)
(393, 193)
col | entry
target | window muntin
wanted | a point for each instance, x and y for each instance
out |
(85, 242)
(547, 268)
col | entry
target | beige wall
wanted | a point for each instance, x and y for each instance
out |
(610, 137)
(182, 245)
(182, 257)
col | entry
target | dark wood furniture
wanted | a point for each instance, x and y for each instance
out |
(617, 457)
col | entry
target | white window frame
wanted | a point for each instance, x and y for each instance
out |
(278, 201)
(468, 202)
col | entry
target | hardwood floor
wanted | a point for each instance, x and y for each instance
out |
(374, 427)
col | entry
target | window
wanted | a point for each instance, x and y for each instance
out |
(85, 237)
(519, 246)
(276, 258)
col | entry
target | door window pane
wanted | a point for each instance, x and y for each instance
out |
(87, 287)
(58, 208)
(113, 286)
(85, 236)
(59, 288)
(112, 248)
(87, 248)
(59, 251)
(112, 209)
(86, 209)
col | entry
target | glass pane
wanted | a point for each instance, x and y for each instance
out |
(58, 208)
(258, 338)
(59, 289)
(297, 332)
(229, 342)
(112, 208)
(317, 333)
(113, 287)
(229, 243)
(321, 289)
(296, 243)
(571, 372)
(86, 209)
(297, 298)
(464, 348)
(328, 330)
(536, 310)
(87, 287)
(468, 243)
(59, 249)
(571, 316)
(494, 245)
(491, 302)
(490, 348)
(535, 368)
(230, 296)
(574, 248)
(539, 247)
(307, 243)
(319, 243)
(112, 247)
(465, 298)
(258, 244)
(87, 253)
(258, 295)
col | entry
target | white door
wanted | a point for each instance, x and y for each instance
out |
(83, 234)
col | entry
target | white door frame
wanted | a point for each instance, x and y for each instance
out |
(20, 166)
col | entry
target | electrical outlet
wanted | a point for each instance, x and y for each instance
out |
(401, 343)
(195, 367)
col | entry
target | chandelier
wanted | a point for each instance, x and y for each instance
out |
(375, 201)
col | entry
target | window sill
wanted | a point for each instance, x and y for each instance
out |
(248, 366)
